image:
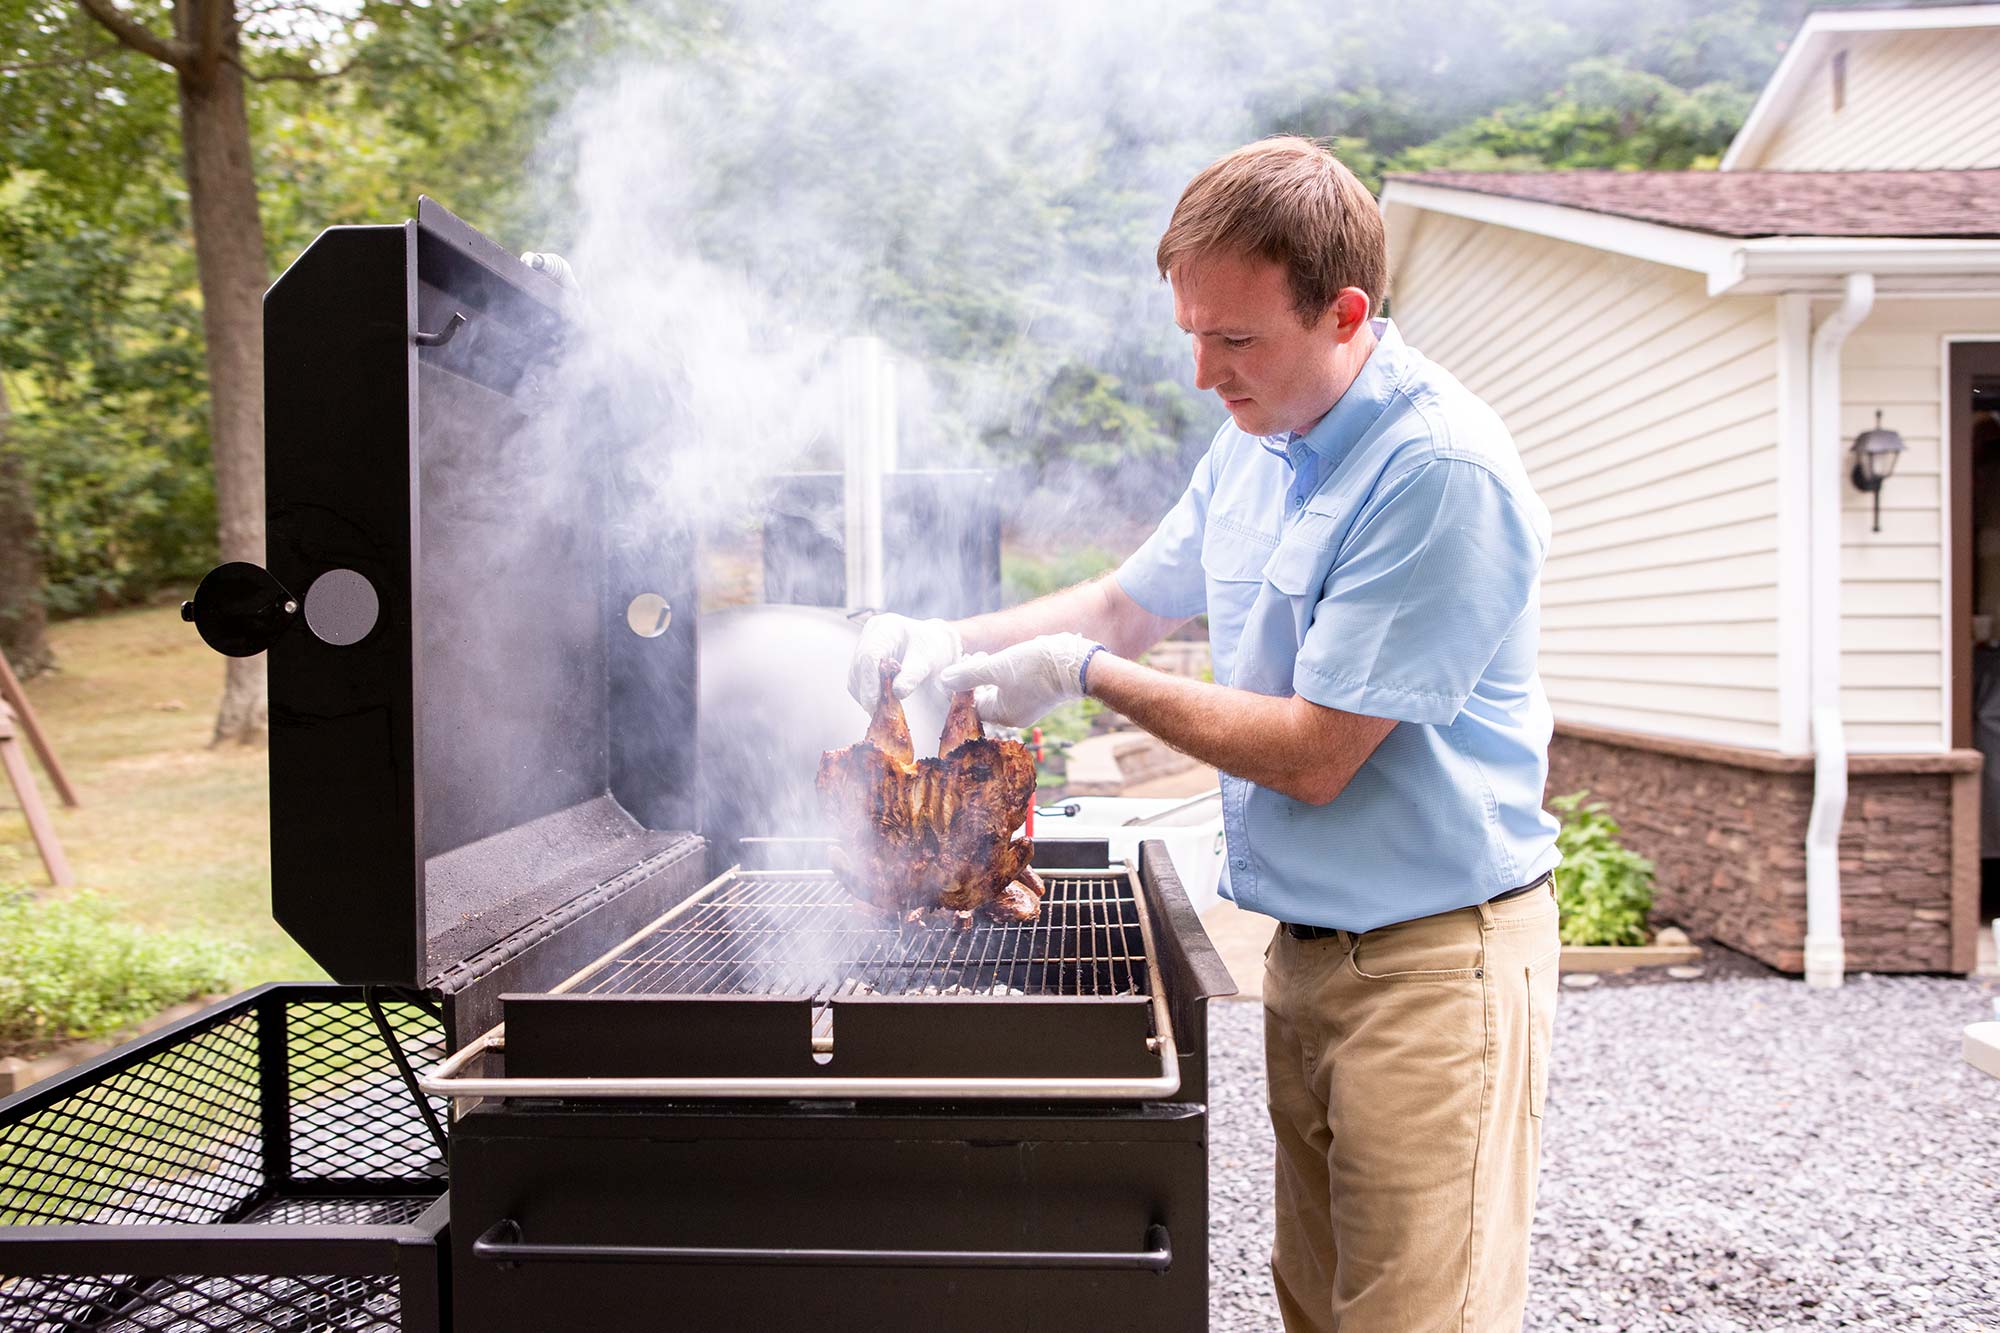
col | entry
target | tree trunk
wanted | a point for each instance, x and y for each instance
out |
(229, 253)
(23, 617)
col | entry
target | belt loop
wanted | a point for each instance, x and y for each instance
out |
(1485, 915)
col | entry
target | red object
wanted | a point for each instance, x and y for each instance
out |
(1030, 825)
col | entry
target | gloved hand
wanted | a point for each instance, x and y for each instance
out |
(924, 647)
(1018, 685)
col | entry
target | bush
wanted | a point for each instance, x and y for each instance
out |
(1603, 887)
(69, 968)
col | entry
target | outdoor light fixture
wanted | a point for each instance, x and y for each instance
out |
(1875, 453)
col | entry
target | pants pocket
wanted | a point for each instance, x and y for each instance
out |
(1543, 979)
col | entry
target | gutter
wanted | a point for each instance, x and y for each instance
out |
(1825, 954)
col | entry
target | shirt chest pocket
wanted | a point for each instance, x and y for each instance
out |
(1298, 567)
(1232, 557)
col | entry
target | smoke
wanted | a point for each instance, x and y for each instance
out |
(979, 185)
(749, 182)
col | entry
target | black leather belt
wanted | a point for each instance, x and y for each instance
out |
(1299, 932)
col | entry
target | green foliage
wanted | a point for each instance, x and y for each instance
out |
(1603, 888)
(1606, 114)
(69, 968)
(100, 323)
(1025, 575)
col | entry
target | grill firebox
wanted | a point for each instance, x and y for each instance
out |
(779, 984)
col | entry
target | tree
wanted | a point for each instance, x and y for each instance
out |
(205, 53)
(23, 618)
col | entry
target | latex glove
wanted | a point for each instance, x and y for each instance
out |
(924, 647)
(1017, 686)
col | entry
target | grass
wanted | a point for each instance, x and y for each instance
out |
(174, 834)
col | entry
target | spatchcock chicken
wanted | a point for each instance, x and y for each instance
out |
(932, 833)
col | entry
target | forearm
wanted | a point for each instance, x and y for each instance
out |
(1098, 609)
(1289, 745)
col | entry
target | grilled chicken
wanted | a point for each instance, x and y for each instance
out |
(932, 833)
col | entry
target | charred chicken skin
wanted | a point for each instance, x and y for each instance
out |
(932, 833)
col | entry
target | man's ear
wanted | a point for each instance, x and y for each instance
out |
(1350, 311)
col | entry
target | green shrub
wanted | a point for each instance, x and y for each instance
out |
(1603, 887)
(69, 968)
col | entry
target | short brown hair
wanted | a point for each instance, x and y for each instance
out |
(1290, 201)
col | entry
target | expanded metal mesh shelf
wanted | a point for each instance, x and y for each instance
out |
(283, 1111)
(802, 934)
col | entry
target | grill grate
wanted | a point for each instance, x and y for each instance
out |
(190, 1304)
(801, 934)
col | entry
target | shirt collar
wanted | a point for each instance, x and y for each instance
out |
(1366, 398)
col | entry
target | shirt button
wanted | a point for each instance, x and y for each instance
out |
(1239, 862)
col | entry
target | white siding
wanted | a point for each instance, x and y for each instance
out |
(1646, 413)
(1915, 101)
(1894, 611)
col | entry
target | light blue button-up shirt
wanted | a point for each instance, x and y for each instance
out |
(1387, 562)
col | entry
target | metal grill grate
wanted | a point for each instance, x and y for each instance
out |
(252, 1304)
(176, 1134)
(370, 1129)
(801, 934)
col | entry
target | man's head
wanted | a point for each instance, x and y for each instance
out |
(1277, 256)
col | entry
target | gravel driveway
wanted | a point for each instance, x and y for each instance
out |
(1717, 1155)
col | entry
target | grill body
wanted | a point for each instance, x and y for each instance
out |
(626, 1209)
(979, 1213)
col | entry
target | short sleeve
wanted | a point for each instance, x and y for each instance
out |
(1437, 572)
(1164, 575)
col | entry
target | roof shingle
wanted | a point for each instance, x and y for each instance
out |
(1914, 204)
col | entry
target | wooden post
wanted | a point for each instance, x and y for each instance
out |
(30, 796)
(17, 699)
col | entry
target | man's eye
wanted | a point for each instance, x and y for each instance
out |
(1237, 342)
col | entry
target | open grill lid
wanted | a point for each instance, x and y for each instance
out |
(477, 733)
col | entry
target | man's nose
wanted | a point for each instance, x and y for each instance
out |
(1208, 369)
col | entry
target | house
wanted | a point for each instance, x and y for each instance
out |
(1772, 685)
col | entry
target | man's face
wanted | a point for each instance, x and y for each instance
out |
(1272, 372)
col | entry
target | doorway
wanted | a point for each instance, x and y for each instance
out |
(1974, 387)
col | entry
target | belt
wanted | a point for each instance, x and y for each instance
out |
(1299, 932)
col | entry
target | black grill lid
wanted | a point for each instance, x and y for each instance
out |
(466, 734)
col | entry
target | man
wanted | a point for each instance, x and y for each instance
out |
(1368, 551)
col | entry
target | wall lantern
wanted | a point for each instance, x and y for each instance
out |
(1875, 453)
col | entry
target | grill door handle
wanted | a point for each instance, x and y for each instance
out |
(501, 1243)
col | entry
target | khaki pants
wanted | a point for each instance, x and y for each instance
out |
(1407, 1071)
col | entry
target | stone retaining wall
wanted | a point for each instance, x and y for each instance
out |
(1726, 829)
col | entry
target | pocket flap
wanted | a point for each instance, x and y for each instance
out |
(1297, 567)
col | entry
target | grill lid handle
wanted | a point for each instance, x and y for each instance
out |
(501, 1243)
(240, 609)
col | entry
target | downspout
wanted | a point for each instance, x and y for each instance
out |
(1826, 959)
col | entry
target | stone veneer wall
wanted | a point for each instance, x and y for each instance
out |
(1726, 829)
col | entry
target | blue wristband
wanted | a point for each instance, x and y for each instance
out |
(1083, 668)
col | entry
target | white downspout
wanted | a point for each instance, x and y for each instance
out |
(1826, 959)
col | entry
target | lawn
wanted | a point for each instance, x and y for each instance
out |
(173, 832)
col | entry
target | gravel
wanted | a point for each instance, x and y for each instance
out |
(1732, 1154)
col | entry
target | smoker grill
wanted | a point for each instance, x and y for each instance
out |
(679, 1100)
